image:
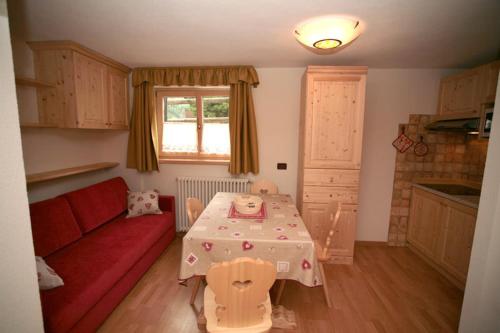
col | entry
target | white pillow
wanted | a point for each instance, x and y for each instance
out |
(141, 203)
(47, 277)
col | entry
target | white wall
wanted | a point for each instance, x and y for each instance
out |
(481, 306)
(391, 95)
(19, 301)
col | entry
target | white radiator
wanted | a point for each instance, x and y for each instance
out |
(203, 189)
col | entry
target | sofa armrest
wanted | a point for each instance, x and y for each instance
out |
(167, 203)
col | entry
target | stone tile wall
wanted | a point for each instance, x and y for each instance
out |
(450, 155)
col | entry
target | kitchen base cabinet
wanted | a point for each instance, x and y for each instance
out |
(441, 231)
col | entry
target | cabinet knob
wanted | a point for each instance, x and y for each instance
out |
(331, 195)
(331, 179)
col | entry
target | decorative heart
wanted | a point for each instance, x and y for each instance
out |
(306, 264)
(148, 205)
(282, 237)
(207, 246)
(247, 246)
(152, 196)
(132, 197)
(263, 191)
(140, 198)
(242, 284)
(292, 225)
(156, 191)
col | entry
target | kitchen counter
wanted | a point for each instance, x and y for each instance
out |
(456, 191)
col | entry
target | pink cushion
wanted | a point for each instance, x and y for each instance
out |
(91, 266)
(53, 225)
(99, 203)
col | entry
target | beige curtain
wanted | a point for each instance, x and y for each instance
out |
(143, 140)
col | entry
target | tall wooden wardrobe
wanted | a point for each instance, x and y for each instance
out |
(331, 134)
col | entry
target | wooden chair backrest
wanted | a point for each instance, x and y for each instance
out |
(194, 207)
(333, 216)
(241, 287)
(264, 186)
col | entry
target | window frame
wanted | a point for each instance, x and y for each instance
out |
(186, 157)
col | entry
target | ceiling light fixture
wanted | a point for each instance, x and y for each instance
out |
(327, 33)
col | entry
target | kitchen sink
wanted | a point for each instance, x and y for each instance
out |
(454, 189)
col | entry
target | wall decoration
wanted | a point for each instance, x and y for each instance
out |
(402, 143)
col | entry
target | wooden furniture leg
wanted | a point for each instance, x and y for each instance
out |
(280, 292)
(325, 286)
(196, 286)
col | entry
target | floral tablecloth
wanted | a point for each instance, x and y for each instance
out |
(281, 238)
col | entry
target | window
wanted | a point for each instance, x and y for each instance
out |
(193, 124)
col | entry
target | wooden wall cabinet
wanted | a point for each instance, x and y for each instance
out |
(91, 89)
(442, 231)
(463, 94)
(331, 133)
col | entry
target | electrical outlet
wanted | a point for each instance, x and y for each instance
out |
(281, 166)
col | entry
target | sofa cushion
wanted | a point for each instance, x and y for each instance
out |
(53, 225)
(91, 266)
(99, 203)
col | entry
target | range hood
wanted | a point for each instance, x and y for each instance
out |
(455, 125)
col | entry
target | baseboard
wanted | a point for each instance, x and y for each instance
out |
(370, 243)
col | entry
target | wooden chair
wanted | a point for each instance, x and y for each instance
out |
(237, 296)
(194, 207)
(263, 186)
(322, 245)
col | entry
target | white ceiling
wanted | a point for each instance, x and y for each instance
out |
(399, 33)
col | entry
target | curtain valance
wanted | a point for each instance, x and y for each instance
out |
(196, 76)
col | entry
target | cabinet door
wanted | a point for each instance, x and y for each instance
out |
(313, 215)
(457, 240)
(345, 233)
(118, 98)
(91, 92)
(425, 222)
(460, 93)
(490, 80)
(315, 218)
(334, 121)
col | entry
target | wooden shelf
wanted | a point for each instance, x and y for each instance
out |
(24, 81)
(37, 125)
(55, 174)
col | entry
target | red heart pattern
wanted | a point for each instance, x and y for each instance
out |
(207, 246)
(306, 264)
(282, 237)
(246, 245)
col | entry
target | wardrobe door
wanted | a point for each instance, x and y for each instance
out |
(334, 121)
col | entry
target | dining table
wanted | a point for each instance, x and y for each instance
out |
(277, 234)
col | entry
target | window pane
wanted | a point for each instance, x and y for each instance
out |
(215, 125)
(179, 127)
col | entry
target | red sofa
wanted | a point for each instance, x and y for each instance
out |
(84, 236)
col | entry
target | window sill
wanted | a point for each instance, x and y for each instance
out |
(165, 160)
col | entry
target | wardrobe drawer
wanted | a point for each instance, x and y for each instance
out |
(331, 177)
(319, 194)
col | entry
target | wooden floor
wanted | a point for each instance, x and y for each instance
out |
(386, 290)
